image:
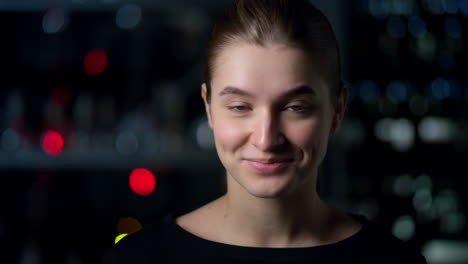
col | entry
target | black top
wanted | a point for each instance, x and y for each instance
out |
(166, 242)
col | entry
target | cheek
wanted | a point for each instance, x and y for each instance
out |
(311, 136)
(228, 135)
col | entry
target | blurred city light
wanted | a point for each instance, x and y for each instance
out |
(127, 143)
(10, 140)
(400, 133)
(379, 8)
(204, 134)
(440, 88)
(447, 201)
(95, 62)
(446, 251)
(399, 91)
(142, 181)
(52, 143)
(453, 27)
(453, 222)
(435, 7)
(128, 225)
(402, 7)
(119, 237)
(404, 227)
(463, 5)
(452, 6)
(425, 47)
(436, 130)
(54, 20)
(416, 26)
(128, 16)
(422, 200)
(423, 181)
(368, 91)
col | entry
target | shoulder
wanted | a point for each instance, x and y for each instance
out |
(374, 243)
(143, 246)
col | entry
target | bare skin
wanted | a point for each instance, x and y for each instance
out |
(279, 112)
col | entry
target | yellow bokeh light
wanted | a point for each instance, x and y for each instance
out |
(119, 237)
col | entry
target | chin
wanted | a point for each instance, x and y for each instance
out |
(268, 188)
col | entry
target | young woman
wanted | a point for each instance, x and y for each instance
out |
(273, 96)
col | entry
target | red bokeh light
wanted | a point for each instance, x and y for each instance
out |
(142, 181)
(53, 143)
(95, 62)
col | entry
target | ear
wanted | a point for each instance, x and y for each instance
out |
(204, 92)
(340, 108)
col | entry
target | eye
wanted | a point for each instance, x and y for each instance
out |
(238, 108)
(297, 108)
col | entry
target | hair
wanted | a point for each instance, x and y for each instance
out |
(296, 23)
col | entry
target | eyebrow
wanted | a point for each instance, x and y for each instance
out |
(297, 91)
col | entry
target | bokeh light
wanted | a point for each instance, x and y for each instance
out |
(119, 237)
(403, 7)
(404, 227)
(425, 47)
(446, 251)
(453, 27)
(95, 62)
(142, 182)
(463, 6)
(379, 8)
(368, 91)
(204, 135)
(54, 20)
(127, 143)
(52, 143)
(400, 133)
(453, 222)
(128, 16)
(440, 88)
(399, 91)
(435, 7)
(128, 225)
(422, 200)
(436, 130)
(452, 6)
(10, 140)
(417, 26)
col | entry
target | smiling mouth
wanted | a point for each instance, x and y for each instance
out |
(269, 165)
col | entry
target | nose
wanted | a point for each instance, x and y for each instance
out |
(267, 135)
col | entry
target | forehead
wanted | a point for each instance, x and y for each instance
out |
(265, 70)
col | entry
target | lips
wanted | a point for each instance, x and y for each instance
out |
(274, 165)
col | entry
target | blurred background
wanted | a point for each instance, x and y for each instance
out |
(102, 128)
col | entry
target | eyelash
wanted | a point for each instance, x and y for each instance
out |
(243, 108)
(302, 109)
(235, 108)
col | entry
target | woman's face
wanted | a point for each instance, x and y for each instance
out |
(271, 116)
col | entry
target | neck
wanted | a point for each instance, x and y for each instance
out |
(287, 221)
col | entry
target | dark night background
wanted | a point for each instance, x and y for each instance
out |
(91, 90)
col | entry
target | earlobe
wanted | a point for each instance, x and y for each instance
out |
(204, 93)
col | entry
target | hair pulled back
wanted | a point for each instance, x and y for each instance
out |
(291, 22)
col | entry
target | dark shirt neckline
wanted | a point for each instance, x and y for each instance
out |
(207, 247)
